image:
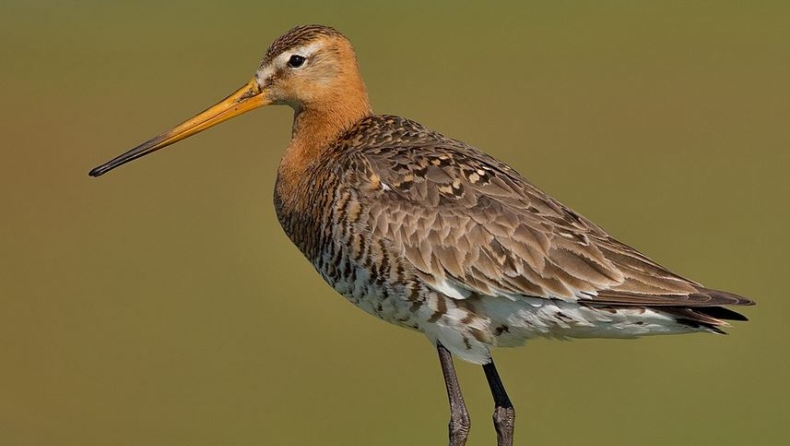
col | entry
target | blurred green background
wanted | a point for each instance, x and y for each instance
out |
(162, 304)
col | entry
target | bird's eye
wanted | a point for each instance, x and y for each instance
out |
(296, 61)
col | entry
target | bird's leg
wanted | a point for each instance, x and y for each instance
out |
(459, 417)
(504, 413)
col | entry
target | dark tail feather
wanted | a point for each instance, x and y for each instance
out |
(710, 318)
(722, 313)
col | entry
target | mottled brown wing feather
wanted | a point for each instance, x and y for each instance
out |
(471, 224)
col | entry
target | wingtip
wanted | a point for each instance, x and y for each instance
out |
(726, 298)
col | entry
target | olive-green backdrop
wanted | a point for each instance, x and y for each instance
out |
(162, 304)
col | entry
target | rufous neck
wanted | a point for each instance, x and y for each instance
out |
(317, 125)
(316, 128)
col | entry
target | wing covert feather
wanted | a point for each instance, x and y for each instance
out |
(468, 221)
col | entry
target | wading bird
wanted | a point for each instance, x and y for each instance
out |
(429, 233)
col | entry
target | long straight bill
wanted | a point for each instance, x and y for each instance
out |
(247, 98)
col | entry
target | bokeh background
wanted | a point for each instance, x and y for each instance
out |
(163, 305)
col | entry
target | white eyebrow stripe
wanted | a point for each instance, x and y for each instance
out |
(304, 50)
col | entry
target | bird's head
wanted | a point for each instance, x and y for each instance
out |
(309, 66)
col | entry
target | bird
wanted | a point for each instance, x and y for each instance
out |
(429, 233)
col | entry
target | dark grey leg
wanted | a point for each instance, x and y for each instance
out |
(504, 413)
(459, 417)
